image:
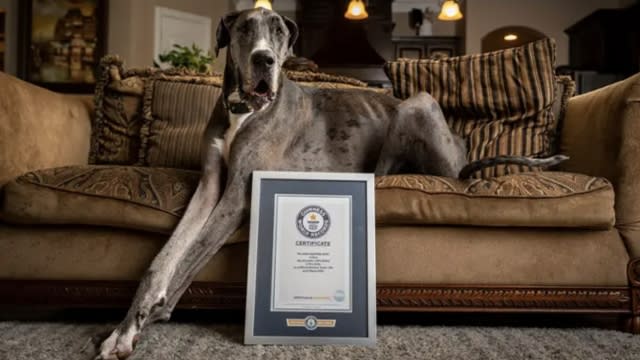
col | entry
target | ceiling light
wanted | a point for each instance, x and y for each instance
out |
(511, 37)
(450, 11)
(263, 4)
(356, 11)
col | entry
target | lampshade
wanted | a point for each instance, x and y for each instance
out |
(356, 11)
(450, 11)
(263, 4)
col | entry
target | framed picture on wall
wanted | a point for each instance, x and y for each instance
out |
(61, 43)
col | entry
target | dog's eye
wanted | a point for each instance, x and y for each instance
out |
(244, 28)
(279, 31)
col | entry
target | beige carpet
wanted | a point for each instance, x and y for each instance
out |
(173, 341)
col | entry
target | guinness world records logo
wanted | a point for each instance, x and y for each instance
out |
(313, 221)
(311, 323)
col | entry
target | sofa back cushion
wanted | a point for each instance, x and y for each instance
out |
(175, 117)
(144, 115)
(153, 117)
(499, 102)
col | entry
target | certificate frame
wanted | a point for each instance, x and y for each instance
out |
(265, 324)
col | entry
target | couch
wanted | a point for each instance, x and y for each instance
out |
(77, 230)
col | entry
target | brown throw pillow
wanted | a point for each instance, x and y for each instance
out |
(115, 137)
(120, 116)
(499, 102)
(565, 89)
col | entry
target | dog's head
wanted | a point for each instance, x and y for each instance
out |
(259, 42)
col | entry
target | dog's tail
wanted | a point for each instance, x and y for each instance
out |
(471, 168)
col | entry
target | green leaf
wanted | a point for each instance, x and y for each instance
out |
(192, 58)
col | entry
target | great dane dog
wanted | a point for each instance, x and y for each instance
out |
(289, 127)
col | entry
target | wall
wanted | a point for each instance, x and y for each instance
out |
(131, 22)
(131, 26)
(551, 17)
(401, 10)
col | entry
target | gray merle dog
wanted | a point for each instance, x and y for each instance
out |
(288, 127)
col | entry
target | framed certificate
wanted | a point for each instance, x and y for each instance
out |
(311, 276)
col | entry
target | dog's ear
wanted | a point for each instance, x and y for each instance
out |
(222, 33)
(293, 31)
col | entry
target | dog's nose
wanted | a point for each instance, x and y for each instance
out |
(262, 58)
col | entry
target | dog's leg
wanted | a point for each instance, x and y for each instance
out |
(420, 137)
(223, 222)
(150, 301)
(159, 294)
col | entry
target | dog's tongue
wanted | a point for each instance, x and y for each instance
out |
(262, 89)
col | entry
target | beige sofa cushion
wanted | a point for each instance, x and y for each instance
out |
(541, 199)
(433, 255)
(151, 199)
(154, 199)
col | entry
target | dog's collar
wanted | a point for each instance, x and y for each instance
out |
(239, 107)
(235, 105)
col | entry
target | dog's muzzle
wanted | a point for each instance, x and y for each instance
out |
(261, 89)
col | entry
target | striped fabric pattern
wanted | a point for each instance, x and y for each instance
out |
(177, 109)
(176, 116)
(500, 102)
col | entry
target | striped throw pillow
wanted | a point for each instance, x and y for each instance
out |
(499, 102)
(176, 112)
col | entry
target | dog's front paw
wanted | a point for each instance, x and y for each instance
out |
(118, 346)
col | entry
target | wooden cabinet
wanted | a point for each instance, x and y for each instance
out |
(357, 49)
(607, 41)
(604, 47)
(426, 47)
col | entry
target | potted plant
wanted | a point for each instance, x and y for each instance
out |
(187, 57)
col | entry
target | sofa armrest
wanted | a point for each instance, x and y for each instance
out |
(40, 129)
(601, 134)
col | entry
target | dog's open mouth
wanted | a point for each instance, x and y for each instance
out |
(259, 94)
(262, 89)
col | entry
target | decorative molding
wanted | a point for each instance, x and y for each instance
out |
(517, 299)
(633, 272)
(390, 297)
(278, 5)
(635, 301)
(633, 325)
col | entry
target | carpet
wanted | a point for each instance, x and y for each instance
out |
(196, 341)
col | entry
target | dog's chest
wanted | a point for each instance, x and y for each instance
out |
(236, 121)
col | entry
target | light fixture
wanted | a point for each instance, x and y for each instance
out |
(511, 37)
(263, 4)
(356, 10)
(450, 11)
